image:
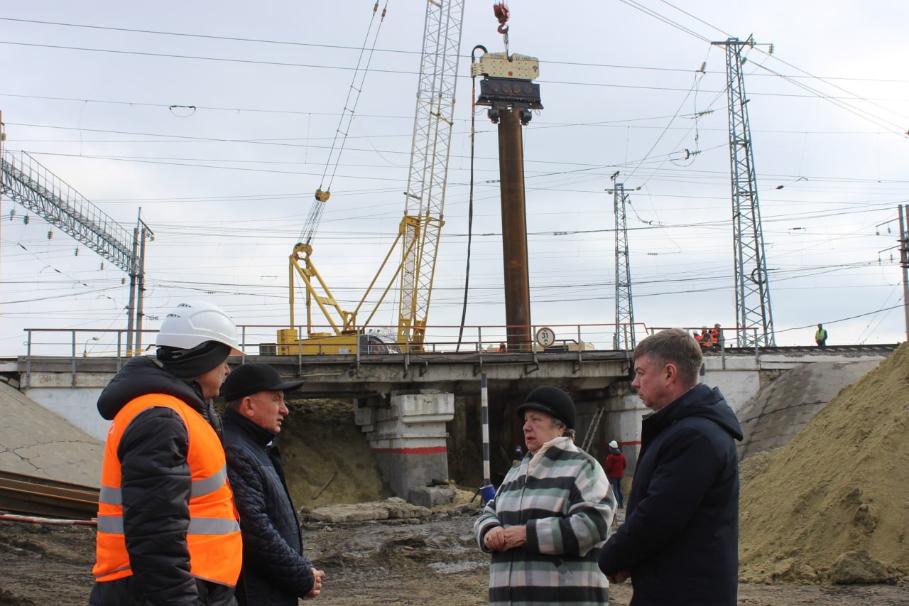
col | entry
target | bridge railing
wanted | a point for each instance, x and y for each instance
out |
(82, 343)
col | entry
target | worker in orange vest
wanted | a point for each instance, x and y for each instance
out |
(704, 341)
(167, 526)
(716, 335)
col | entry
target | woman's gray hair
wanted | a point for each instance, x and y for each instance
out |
(565, 431)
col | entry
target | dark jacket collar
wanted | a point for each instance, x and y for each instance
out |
(699, 401)
(258, 434)
(141, 376)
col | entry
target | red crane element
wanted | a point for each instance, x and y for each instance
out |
(501, 12)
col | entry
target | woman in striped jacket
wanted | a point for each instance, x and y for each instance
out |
(550, 516)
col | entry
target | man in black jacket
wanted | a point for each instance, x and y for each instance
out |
(679, 542)
(275, 571)
(147, 510)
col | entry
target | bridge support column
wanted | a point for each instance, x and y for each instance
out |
(409, 438)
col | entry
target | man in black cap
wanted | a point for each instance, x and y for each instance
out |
(275, 571)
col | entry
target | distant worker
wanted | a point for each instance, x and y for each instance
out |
(502, 347)
(167, 527)
(820, 336)
(275, 571)
(550, 515)
(717, 337)
(679, 542)
(704, 341)
(615, 471)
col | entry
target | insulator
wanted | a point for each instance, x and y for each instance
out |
(877, 232)
(888, 230)
(25, 219)
(122, 280)
(12, 213)
(76, 252)
(50, 234)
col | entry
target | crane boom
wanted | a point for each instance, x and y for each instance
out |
(428, 176)
(419, 230)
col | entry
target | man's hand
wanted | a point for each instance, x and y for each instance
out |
(318, 575)
(494, 540)
(515, 536)
(619, 577)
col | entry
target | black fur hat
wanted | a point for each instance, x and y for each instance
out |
(552, 401)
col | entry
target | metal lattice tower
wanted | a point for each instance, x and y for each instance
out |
(425, 194)
(754, 317)
(28, 182)
(624, 308)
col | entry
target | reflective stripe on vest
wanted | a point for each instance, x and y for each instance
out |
(213, 534)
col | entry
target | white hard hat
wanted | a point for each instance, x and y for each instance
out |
(613, 444)
(195, 322)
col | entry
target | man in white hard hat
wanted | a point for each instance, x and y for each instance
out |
(167, 527)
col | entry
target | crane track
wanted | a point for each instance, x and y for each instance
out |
(20, 493)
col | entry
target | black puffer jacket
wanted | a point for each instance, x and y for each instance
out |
(275, 571)
(680, 537)
(156, 486)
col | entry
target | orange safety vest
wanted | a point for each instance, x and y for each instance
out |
(213, 536)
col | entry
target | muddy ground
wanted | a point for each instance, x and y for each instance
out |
(402, 562)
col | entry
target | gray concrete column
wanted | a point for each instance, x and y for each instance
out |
(408, 438)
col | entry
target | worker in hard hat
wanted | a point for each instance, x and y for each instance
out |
(679, 542)
(554, 509)
(615, 471)
(167, 527)
(275, 570)
(718, 341)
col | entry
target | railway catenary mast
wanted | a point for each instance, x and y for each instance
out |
(754, 314)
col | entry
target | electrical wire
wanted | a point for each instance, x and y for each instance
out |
(473, 118)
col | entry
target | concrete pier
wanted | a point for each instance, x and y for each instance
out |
(408, 438)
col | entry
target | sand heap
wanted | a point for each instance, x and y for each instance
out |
(784, 406)
(327, 458)
(833, 504)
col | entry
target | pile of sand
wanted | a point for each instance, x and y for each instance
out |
(784, 406)
(326, 457)
(833, 504)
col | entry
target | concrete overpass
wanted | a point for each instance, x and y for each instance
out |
(415, 408)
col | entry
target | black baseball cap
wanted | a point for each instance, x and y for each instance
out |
(253, 378)
(551, 400)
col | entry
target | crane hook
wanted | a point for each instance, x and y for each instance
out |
(502, 14)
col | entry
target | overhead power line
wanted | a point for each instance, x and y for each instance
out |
(295, 43)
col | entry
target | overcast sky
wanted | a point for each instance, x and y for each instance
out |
(226, 186)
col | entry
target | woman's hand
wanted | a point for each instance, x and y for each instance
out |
(515, 536)
(495, 539)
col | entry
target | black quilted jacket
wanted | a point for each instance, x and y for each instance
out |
(275, 571)
(156, 488)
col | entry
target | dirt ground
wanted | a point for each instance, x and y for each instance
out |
(400, 562)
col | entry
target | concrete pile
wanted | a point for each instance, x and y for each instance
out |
(832, 505)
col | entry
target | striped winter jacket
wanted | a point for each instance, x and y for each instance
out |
(562, 495)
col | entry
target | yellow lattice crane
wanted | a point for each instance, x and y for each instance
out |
(419, 230)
